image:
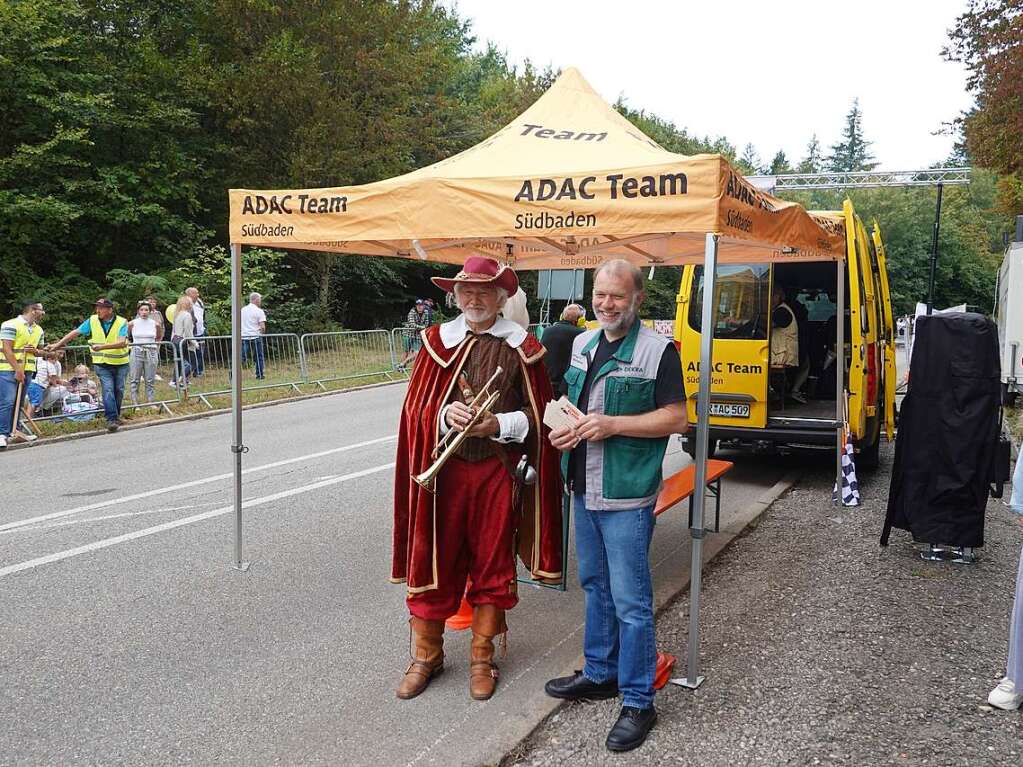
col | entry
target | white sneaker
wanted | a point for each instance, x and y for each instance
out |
(3, 442)
(1004, 696)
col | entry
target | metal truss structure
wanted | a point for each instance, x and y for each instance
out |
(862, 179)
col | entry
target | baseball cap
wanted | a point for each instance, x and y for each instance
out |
(104, 301)
(420, 301)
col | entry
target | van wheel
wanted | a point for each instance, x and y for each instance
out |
(690, 447)
(869, 457)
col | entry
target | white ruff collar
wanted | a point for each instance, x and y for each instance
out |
(452, 333)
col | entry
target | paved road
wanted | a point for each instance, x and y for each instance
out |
(128, 638)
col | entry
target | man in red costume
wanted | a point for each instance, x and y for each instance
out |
(478, 515)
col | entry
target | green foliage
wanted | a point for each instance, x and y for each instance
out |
(813, 162)
(987, 39)
(780, 164)
(853, 152)
(673, 138)
(750, 163)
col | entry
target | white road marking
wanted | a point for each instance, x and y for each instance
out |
(102, 544)
(192, 483)
(67, 522)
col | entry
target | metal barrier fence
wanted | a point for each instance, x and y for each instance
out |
(160, 357)
(345, 355)
(203, 365)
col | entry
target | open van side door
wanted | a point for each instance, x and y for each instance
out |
(856, 338)
(888, 335)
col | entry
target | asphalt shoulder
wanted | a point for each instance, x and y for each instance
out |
(821, 647)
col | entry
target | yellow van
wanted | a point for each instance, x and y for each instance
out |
(756, 405)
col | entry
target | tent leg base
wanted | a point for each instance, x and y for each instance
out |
(682, 681)
(242, 567)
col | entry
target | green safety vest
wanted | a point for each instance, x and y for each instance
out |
(108, 356)
(622, 472)
(25, 337)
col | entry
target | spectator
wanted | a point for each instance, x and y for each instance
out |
(108, 339)
(429, 311)
(82, 384)
(558, 341)
(1008, 695)
(253, 330)
(156, 315)
(199, 315)
(417, 320)
(47, 388)
(20, 338)
(784, 344)
(182, 336)
(614, 485)
(145, 353)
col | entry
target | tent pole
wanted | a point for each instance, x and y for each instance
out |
(692, 680)
(840, 376)
(237, 448)
(934, 253)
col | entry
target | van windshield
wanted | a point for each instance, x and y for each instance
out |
(742, 293)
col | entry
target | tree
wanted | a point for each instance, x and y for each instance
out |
(749, 163)
(780, 164)
(813, 162)
(673, 138)
(986, 38)
(853, 152)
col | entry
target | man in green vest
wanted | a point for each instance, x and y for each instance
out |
(627, 380)
(108, 341)
(20, 338)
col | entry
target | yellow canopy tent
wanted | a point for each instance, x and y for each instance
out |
(566, 185)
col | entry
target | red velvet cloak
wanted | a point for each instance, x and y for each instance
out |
(414, 553)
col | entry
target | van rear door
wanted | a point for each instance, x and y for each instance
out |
(888, 335)
(858, 322)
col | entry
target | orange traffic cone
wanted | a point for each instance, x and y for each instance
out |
(665, 663)
(462, 619)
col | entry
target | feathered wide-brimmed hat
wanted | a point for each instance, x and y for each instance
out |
(480, 270)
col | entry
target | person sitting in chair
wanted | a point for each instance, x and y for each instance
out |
(784, 342)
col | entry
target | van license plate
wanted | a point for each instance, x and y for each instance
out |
(729, 409)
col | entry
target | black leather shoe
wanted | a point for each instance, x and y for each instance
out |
(631, 729)
(578, 687)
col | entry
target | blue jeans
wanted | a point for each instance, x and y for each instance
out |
(8, 394)
(199, 357)
(1016, 499)
(253, 347)
(111, 381)
(614, 572)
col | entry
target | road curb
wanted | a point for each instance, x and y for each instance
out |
(540, 707)
(193, 416)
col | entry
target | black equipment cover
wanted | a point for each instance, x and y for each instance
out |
(948, 429)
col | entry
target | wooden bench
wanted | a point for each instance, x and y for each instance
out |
(681, 485)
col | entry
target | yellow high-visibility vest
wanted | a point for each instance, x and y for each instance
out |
(26, 336)
(108, 356)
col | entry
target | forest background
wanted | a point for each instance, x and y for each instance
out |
(124, 124)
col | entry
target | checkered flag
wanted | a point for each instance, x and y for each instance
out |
(850, 487)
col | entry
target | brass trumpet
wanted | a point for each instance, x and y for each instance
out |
(449, 443)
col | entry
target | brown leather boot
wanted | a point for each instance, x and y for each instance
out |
(487, 622)
(427, 657)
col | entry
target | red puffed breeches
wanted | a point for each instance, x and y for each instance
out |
(475, 540)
